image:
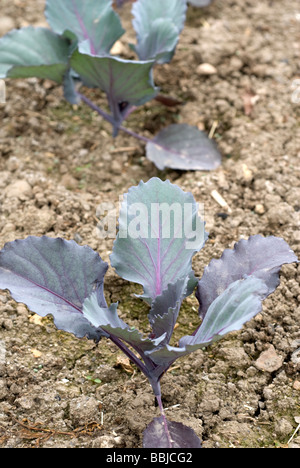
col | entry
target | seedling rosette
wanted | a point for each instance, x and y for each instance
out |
(159, 233)
(75, 52)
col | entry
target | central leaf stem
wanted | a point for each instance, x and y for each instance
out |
(111, 120)
(165, 422)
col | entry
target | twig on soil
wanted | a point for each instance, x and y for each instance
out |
(173, 406)
(213, 129)
(220, 200)
(124, 149)
(44, 434)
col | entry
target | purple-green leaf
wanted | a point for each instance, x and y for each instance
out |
(145, 13)
(54, 276)
(90, 20)
(229, 311)
(165, 308)
(183, 147)
(109, 321)
(160, 43)
(159, 232)
(177, 435)
(125, 82)
(158, 28)
(260, 257)
(34, 52)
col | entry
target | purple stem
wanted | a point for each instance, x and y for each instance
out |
(148, 368)
(93, 106)
(110, 119)
(162, 411)
(129, 354)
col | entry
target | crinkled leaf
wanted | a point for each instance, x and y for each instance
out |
(155, 435)
(261, 257)
(159, 44)
(181, 146)
(109, 321)
(158, 28)
(159, 232)
(54, 276)
(165, 308)
(91, 20)
(125, 82)
(240, 302)
(145, 13)
(34, 52)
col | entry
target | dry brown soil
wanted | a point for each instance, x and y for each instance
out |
(58, 163)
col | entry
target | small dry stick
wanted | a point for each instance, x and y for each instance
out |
(213, 129)
(220, 200)
(124, 149)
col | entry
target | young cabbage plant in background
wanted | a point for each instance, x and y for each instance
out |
(159, 233)
(75, 51)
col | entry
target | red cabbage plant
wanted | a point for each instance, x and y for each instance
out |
(159, 233)
(75, 51)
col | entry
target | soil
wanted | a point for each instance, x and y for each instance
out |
(59, 162)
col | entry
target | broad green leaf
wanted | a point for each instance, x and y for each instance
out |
(145, 13)
(158, 28)
(258, 256)
(160, 43)
(92, 20)
(240, 302)
(159, 232)
(125, 82)
(54, 276)
(34, 52)
(165, 308)
(109, 321)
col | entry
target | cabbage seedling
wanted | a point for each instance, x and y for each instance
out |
(159, 233)
(75, 51)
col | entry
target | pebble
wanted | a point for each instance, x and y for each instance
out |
(269, 360)
(296, 237)
(3, 389)
(283, 427)
(206, 69)
(6, 24)
(69, 182)
(84, 409)
(259, 209)
(118, 48)
(280, 214)
(19, 189)
(107, 441)
(296, 385)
